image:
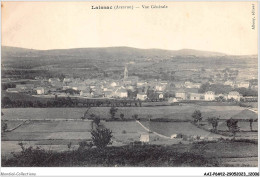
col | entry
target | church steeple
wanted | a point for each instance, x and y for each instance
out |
(125, 73)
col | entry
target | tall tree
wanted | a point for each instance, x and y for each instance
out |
(232, 126)
(214, 122)
(113, 111)
(251, 124)
(197, 116)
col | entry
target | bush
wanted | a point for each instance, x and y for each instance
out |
(101, 137)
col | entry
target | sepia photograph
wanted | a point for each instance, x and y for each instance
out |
(129, 84)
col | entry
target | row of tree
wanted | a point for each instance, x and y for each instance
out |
(69, 102)
(232, 124)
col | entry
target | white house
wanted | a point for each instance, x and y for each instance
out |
(141, 96)
(40, 90)
(144, 138)
(181, 95)
(121, 93)
(160, 96)
(235, 95)
(209, 96)
(113, 84)
(172, 100)
(189, 84)
(173, 136)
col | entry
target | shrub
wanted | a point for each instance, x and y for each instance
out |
(101, 137)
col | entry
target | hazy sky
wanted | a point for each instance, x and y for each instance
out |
(212, 26)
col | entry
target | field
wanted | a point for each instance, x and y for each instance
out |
(185, 128)
(183, 112)
(55, 128)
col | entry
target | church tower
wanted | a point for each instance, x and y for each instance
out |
(125, 73)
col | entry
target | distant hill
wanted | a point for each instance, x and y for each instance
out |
(110, 52)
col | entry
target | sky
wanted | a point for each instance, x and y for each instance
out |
(210, 26)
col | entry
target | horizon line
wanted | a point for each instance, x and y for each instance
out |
(132, 48)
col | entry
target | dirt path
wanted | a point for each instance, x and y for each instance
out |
(160, 135)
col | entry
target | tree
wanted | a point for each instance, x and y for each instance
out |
(251, 124)
(232, 126)
(101, 137)
(96, 120)
(197, 116)
(220, 99)
(214, 122)
(112, 112)
(122, 116)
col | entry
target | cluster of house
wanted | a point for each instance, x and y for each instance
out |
(108, 88)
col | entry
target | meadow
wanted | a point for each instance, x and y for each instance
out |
(178, 112)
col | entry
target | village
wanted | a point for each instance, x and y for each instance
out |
(130, 87)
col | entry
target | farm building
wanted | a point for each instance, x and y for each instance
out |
(209, 96)
(144, 138)
(40, 90)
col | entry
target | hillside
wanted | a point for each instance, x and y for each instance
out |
(110, 62)
(106, 52)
